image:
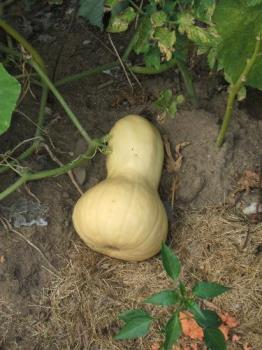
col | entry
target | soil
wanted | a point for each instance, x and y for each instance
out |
(33, 257)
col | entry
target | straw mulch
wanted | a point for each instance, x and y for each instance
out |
(79, 310)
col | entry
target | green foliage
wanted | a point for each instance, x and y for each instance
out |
(207, 290)
(138, 321)
(9, 92)
(170, 262)
(166, 297)
(93, 11)
(173, 331)
(167, 104)
(214, 339)
(239, 25)
(137, 324)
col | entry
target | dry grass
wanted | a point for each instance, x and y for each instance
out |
(80, 309)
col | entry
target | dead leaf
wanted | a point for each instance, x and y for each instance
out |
(228, 320)
(174, 164)
(155, 346)
(190, 327)
(235, 338)
(246, 346)
(225, 330)
(249, 180)
(2, 259)
(174, 188)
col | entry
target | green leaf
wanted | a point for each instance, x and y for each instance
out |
(196, 310)
(138, 324)
(9, 92)
(158, 19)
(166, 297)
(239, 25)
(166, 40)
(132, 314)
(121, 22)
(253, 2)
(170, 262)
(144, 35)
(173, 331)
(93, 11)
(214, 339)
(116, 6)
(210, 320)
(204, 10)
(152, 58)
(207, 290)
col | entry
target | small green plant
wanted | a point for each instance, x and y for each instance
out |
(138, 321)
(167, 104)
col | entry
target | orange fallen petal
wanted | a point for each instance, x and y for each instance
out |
(155, 346)
(225, 330)
(194, 346)
(189, 326)
(235, 338)
(230, 321)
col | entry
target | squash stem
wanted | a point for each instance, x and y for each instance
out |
(234, 89)
(29, 176)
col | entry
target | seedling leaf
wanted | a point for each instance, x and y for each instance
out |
(166, 297)
(170, 262)
(137, 324)
(214, 339)
(132, 314)
(173, 331)
(207, 290)
(211, 319)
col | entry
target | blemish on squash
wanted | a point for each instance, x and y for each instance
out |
(111, 247)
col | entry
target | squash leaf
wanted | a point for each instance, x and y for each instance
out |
(9, 92)
(238, 25)
(93, 11)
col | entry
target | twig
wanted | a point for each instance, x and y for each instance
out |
(9, 227)
(70, 173)
(121, 62)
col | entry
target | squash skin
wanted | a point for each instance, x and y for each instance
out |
(137, 150)
(123, 216)
(113, 216)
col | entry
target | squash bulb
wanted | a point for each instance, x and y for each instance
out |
(123, 216)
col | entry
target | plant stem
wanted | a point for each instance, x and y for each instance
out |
(61, 100)
(234, 89)
(188, 82)
(23, 42)
(86, 73)
(28, 176)
(152, 70)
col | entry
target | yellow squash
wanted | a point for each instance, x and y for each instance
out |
(123, 216)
